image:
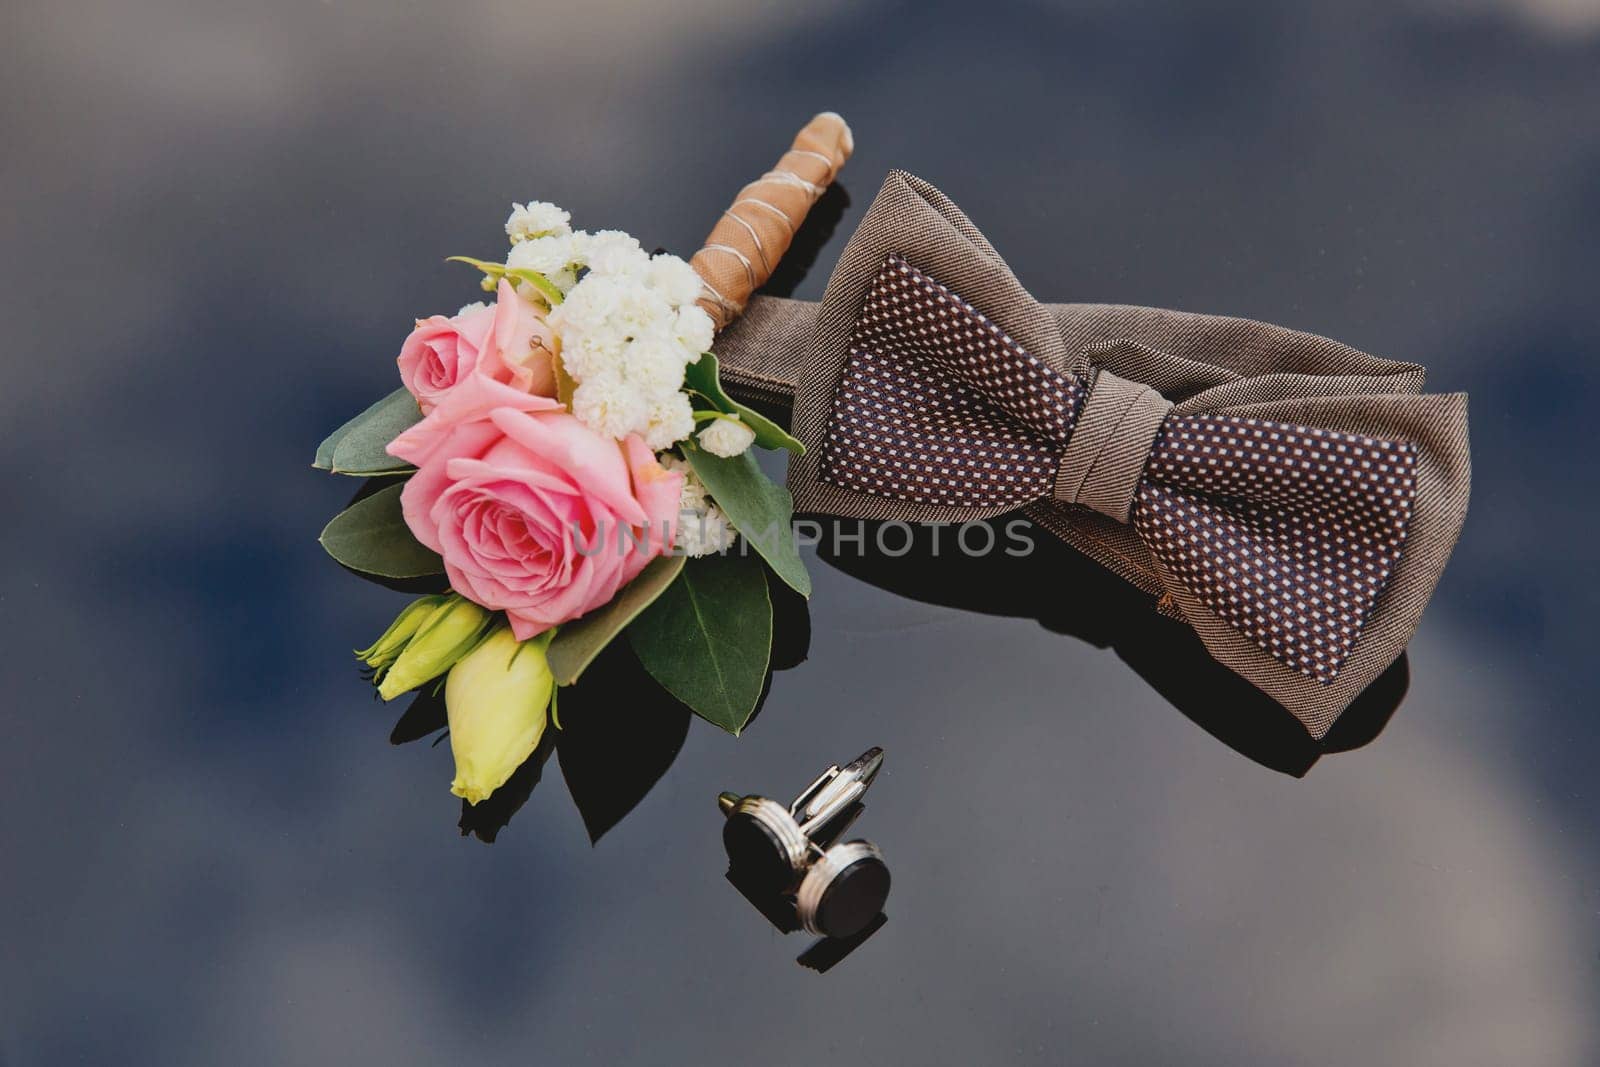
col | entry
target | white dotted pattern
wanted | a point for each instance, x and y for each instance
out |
(1288, 533)
(938, 405)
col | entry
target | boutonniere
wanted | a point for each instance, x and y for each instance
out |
(564, 455)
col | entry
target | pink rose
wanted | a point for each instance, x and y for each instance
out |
(508, 342)
(533, 512)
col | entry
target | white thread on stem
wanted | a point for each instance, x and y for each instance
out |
(766, 267)
(750, 271)
(775, 209)
(789, 177)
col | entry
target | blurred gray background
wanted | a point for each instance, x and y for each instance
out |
(219, 220)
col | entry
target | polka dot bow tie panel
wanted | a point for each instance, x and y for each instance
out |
(1287, 533)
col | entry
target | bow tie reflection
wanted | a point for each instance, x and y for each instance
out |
(1109, 613)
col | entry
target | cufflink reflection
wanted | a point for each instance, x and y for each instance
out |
(782, 912)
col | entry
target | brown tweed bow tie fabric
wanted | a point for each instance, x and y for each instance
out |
(1292, 499)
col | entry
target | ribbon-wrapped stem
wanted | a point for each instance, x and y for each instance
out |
(752, 235)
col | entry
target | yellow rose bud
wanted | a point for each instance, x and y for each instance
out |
(497, 698)
(448, 634)
(386, 649)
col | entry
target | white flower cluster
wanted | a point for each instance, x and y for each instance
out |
(726, 436)
(542, 240)
(628, 328)
(536, 219)
(702, 529)
(555, 255)
(626, 345)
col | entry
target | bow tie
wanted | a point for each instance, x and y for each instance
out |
(1286, 532)
(1292, 499)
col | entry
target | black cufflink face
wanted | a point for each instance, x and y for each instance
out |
(838, 889)
(844, 890)
(763, 840)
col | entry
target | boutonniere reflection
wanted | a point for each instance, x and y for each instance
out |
(613, 734)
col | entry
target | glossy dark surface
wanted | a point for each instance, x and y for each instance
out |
(220, 220)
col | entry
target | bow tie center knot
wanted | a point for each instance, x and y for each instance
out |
(1106, 455)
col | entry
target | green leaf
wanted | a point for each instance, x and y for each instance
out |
(758, 507)
(547, 288)
(324, 460)
(371, 536)
(495, 270)
(577, 643)
(357, 447)
(704, 377)
(707, 639)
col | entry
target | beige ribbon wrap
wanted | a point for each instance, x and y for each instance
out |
(752, 235)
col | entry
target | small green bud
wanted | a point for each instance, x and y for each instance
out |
(449, 633)
(386, 649)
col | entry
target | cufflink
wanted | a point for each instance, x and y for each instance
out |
(838, 889)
